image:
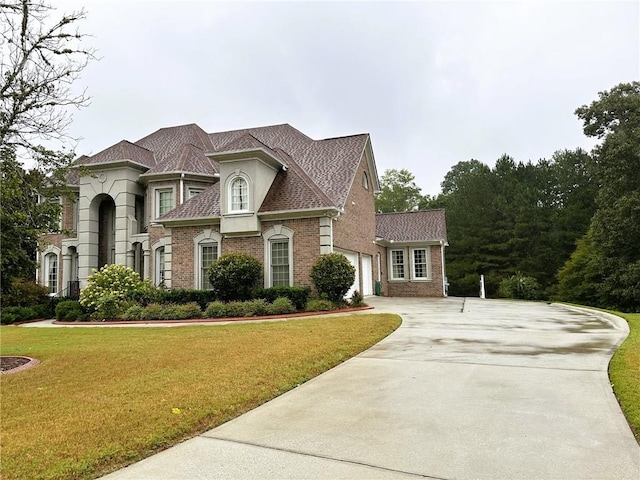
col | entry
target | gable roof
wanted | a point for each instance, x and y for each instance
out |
(415, 226)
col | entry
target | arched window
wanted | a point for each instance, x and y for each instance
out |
(160, 266)
(51, 272)
(239, 195)
(207, 249)
(365, 181)
(278, 256)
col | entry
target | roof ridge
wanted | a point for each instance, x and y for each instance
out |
(343, 136)
(412, 211)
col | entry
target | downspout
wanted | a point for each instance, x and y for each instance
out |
(444, 278)
(181, 188)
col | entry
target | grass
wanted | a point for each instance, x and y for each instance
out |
(624, 373)
(103, 398)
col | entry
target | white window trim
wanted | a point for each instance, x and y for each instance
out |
(427, 253)
(409, 264)
(206, 237)
(404, 263)
(166, 244)
(230, 180)
(51, 250)
(156, 199)
(193, 191)
(277, 232)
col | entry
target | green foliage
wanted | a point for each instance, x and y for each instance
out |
(299, 296)
(134, 312)
(515, 217)
(182, 296)
(25, 293)
(320, 305)
(216, 310)
(399, 192)
(69, 311)
(281, 306)
(332, 275)
(519, 287)
(235, 276)
(256, 308)
(111, 290)
(357, 300)
(236, 309)
(9, 315)
(612, 254)
(23, 218)
(155, 311)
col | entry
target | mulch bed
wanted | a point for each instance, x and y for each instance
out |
(12, 364)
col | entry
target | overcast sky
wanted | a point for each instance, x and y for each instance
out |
(434, 83)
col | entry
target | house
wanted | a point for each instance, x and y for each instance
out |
(172, 202)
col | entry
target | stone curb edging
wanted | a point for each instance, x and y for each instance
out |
(213, 320)
(31, 363)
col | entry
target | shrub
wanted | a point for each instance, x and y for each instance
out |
(69, 311)
(280, 306)
(7, 318)
(332, 275)
(236, 309)
(180, 312)
(25, 293)
(216, 310)
(320, 305)
(235, 276)
(357, 300)
(520, 287)
(256, 308)
(17, 314)
(184, 296)
(153, 311)
(110, 291)
(134, 312)
(299, 296)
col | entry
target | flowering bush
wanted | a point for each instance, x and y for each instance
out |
(111, 289)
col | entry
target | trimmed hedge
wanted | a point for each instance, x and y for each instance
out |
(184, 296)
(299, 296)
(70, 311)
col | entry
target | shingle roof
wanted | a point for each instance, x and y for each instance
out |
(124, 150)
(73, 177)
(416, 226)
(168, 141)
(204, 205)
(189, 159)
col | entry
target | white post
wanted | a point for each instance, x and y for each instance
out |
(482, 286)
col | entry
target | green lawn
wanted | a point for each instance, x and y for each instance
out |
(624, 372)
(105, 397)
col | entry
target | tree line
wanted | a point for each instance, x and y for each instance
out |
(571, 223)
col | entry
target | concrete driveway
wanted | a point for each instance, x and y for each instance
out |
(464, 389)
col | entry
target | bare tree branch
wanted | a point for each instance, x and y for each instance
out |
(39, 61)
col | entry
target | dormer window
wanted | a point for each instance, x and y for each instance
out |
(239, 195)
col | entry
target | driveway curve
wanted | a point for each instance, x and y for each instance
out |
(464, 389)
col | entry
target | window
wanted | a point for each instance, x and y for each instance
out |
(365, 181)
(160, 266)
(278, 254)
(208, 254)
(397, 265)
(239, 195)
(51, 272)
(192, 192)
(76, 212)
(164, 201)
(420, 266)
(280, 263)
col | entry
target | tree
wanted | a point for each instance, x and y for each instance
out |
(40, 59)
(615, 119)
(398, 192)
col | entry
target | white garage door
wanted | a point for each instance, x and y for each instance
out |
(353, 258)
(367, 275)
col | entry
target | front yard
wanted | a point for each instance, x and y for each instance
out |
(105, 397)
